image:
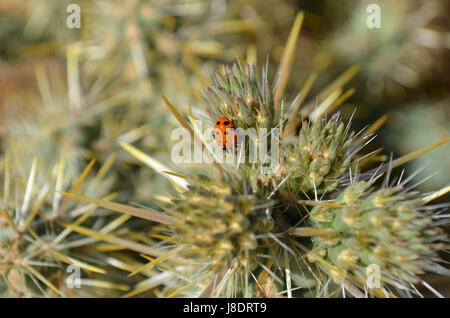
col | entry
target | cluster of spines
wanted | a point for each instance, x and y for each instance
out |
(384, 226)
(238, 93)
(321, 155)
(217, 223)
(36, 249)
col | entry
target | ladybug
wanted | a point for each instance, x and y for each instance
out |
(224, 132)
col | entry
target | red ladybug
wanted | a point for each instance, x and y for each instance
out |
(224, 133)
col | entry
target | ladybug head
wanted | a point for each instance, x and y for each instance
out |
(225, 122)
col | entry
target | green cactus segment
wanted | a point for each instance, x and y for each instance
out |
(384, 227)
(221, 225)
(321, 155)
(238, 94)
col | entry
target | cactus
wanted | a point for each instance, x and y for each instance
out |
(387, 227)
(322, 155)
(36, 248)
(318, 224)
(221, 229)
(239, 94)
(220, 222)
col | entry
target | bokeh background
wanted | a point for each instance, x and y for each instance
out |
(77, 92)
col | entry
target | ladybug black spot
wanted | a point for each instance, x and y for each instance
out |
(218, 123)
(226, 133)
(226, 123)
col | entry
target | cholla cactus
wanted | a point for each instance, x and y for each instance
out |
(236, 232)
(58, 124)
(386, 227)
(239, 94)
(36, 249)
(242, 233)
(321, 156)
(222, 223)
